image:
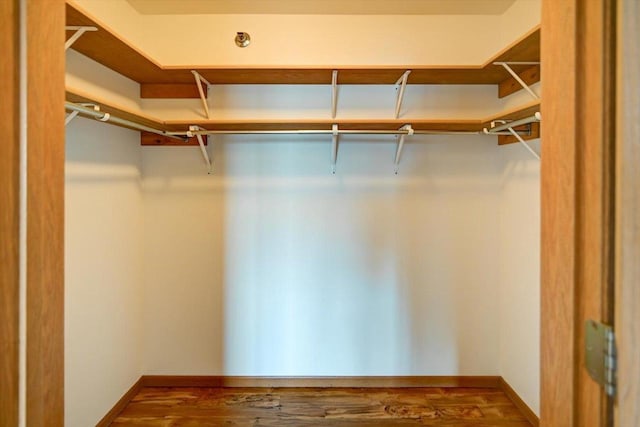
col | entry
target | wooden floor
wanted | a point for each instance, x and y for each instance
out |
(371, 407)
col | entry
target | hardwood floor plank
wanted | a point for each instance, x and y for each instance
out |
(326, 407)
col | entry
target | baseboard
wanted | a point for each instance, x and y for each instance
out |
(325, 382)
(360, 382)
(519, 403)
(121, 404)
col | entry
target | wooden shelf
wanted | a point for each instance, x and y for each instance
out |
(158, 81)
(471, 125)
(519, 112)
(112, 51)
(118, 111)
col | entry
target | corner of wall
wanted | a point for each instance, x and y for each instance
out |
(519, 300)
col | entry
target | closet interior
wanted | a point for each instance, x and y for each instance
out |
(229, 223)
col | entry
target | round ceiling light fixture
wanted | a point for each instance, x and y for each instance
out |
(243, 39)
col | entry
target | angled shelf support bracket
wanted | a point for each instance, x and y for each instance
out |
(401, 84)
(74, 113)
(509, 127)
(408, 130)
(203, 149)
(334, 93)
(524, 143)
(199, 82)
(334, 148)
(79, 31)
(507, 66)
(70, 117)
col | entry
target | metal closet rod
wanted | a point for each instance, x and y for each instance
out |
(325, 132)
(182, 135)
(106, 117)
(510, 125)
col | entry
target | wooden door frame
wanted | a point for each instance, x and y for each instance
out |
(576, 209)
(627, 305)
(578, 187)
(43, 282)
(9, 213)
(45, 20)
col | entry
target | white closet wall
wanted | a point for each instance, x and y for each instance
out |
(103, 268)
(520, 272)
(276, 267)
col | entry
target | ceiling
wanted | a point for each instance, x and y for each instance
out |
(322, 7)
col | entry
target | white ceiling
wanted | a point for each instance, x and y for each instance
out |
(323, 7)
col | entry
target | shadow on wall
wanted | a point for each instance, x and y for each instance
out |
(273, 266)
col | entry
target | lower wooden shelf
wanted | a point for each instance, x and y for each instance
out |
(441, 125)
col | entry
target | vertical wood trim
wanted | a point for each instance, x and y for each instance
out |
(45, 212)
(9, 212)
(595, 193)
(628, 207)
(577, 208)
(558, 200)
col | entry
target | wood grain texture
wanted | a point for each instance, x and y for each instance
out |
(529, 76)
(372, 407)
(155, 140)
(112, 51)
(359, 382)
(628, 221)
(171, 91)
(558, 226)
(519, 403)
(121, 404)
(595, 149)
(45, 213)
(9, 213)
(577, 208)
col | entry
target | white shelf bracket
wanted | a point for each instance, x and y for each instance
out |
(523, 142)
(401, 84)
(199, 82)
(334, 93)
(334, 148)
(72, 115)
(508, 126)
(79, 31)
(401, 138)
(507, 66)
(203, 148)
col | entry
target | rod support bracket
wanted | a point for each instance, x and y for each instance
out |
(203, 149)
(409, 132)
(334, 147)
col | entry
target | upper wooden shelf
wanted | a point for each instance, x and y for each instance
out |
(110, 50)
